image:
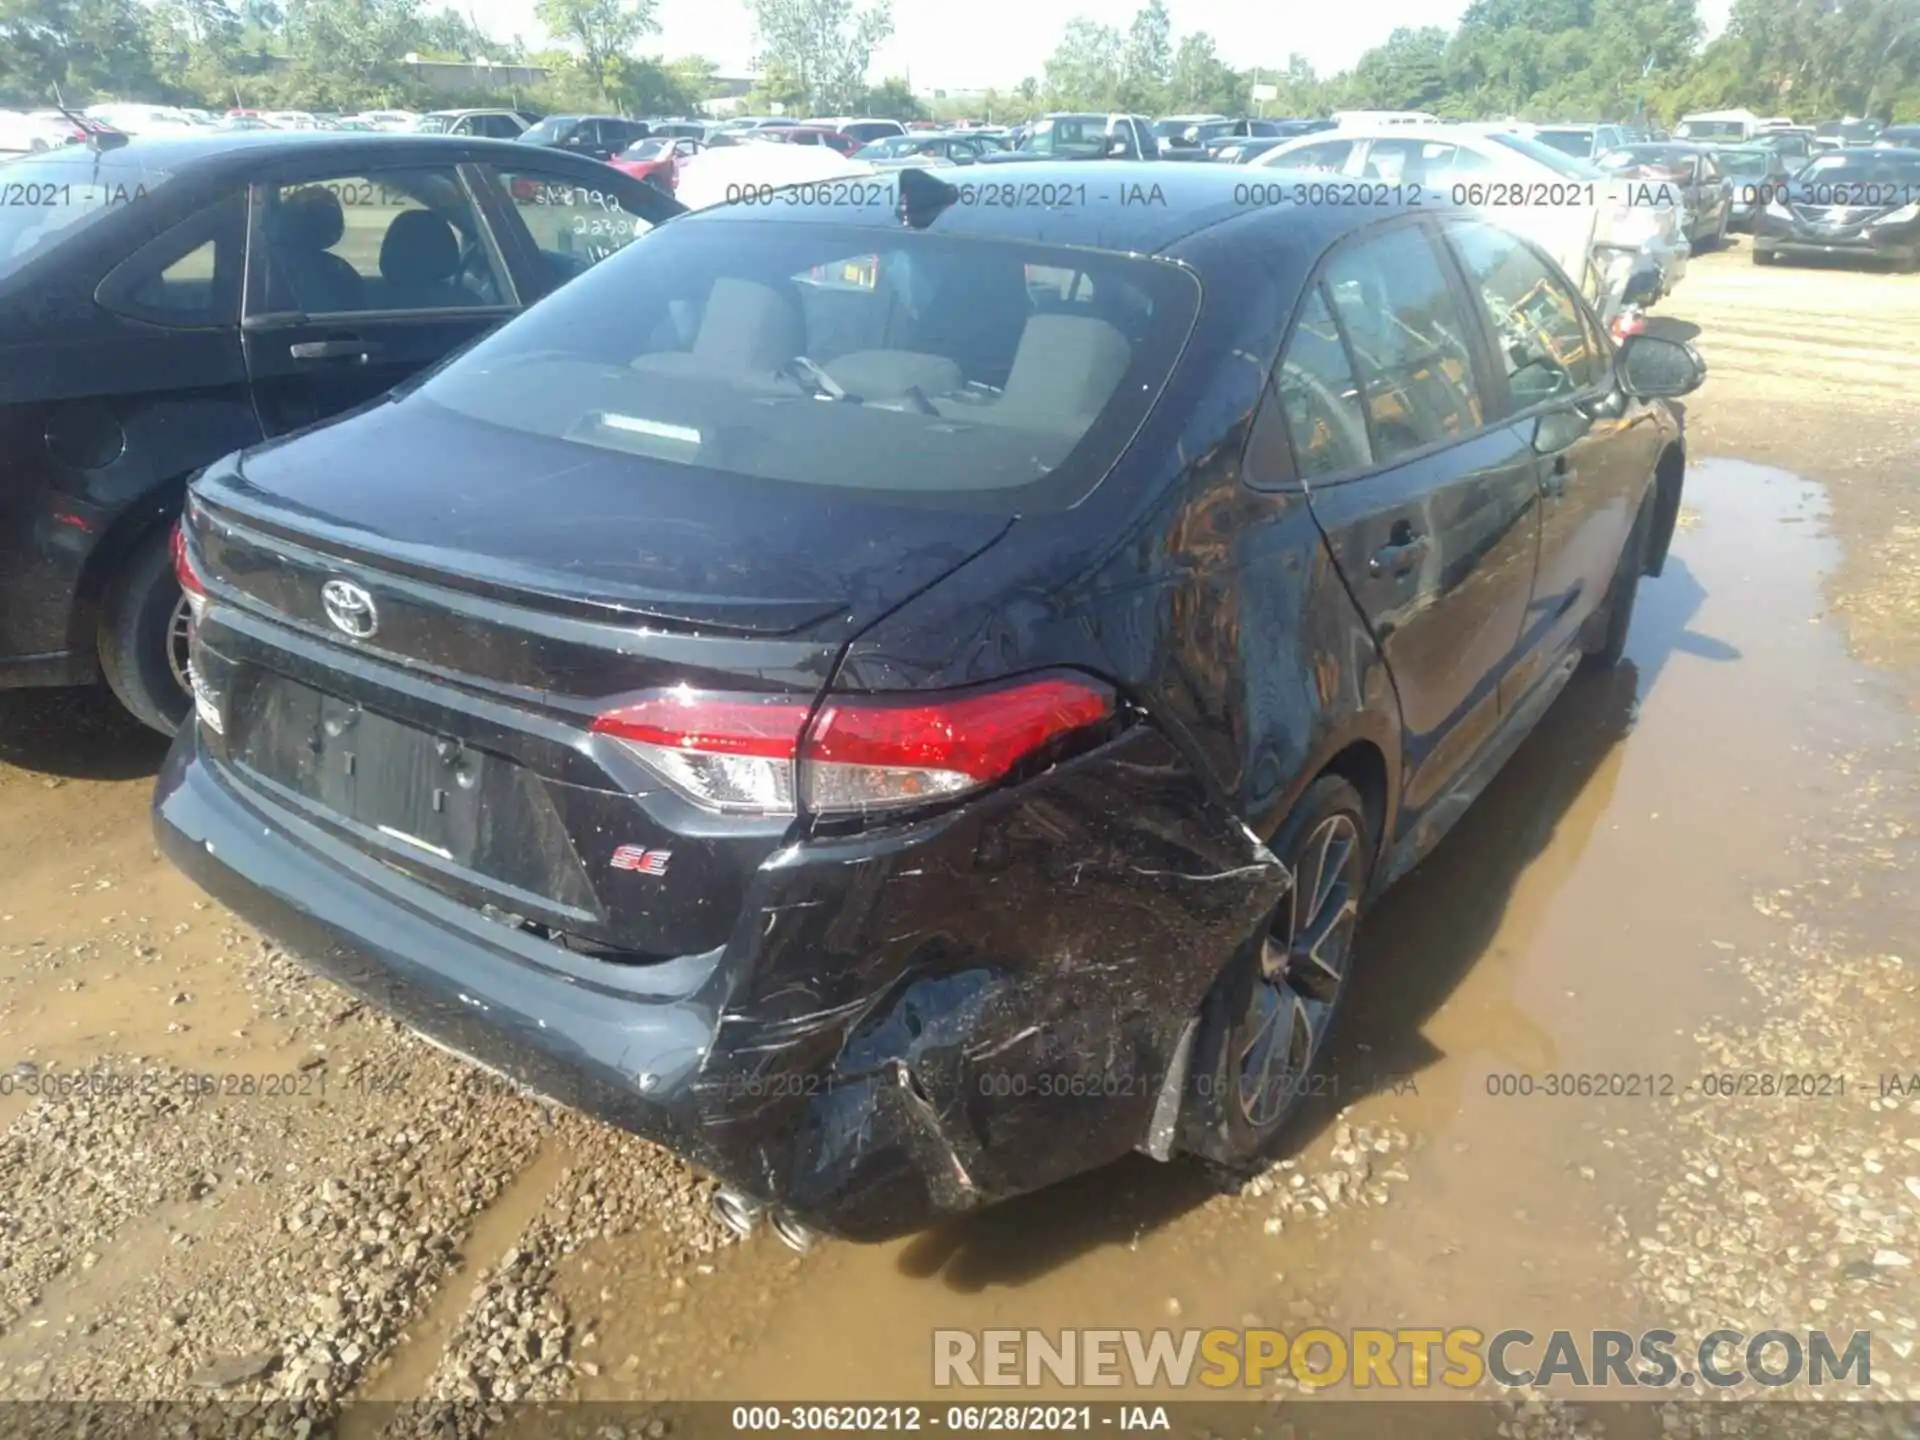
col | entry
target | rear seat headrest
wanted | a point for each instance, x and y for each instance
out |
(749, 326)
(1067, 365)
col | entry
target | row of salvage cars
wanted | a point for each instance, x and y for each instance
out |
(900, 702)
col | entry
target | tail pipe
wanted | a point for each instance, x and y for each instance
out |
(736, 1211)
(740, 1213)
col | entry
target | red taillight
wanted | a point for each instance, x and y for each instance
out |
(859, 753)
(183, 570)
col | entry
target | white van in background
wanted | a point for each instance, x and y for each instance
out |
(1718, 127)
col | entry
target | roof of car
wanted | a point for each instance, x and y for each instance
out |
(1141, 207)
(239, 149)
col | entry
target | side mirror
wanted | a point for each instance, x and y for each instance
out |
(1653, 367)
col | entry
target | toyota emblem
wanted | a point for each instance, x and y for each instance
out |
(349, 608)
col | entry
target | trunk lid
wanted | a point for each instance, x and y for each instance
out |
(516, 593)
(492, 511)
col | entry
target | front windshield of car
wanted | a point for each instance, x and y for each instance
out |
(1556, 160)
(546, 132)
(1080, 135)
(435, 124)
(1577, 143)
(885, 148)
(1864, 167)
(1712, 129)
(1746, 162)
(56, 196)
(961, 373)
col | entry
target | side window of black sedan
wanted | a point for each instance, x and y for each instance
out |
(1408, 338)
(190, 276)
(574, 226)
(1546, 343)
(1318, 395)
(386, 241)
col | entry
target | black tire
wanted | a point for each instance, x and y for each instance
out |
(1241, 1089)
(1763, 257)
(138, 639)
(1606, 639)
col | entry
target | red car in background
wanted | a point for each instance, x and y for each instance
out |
(657, 159)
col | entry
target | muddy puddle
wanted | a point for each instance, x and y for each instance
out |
(1583, 919)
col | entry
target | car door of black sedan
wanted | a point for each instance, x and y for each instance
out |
(1595, 455)
(1430, 512)
(359, 277)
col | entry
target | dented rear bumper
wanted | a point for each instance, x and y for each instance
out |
(903, 1025)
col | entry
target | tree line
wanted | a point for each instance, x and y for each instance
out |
(1529, 59)
(1523, 59)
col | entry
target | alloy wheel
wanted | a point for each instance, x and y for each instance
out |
(180, 644)
(1303, 969)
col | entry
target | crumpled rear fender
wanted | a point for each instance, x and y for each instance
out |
(948, 1013)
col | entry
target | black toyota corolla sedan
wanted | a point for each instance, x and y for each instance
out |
(905, 703)
(167, 302)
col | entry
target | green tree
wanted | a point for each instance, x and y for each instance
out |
(605, 31)
(1146, 62)
(1202, 82)
(1083, 73)
(820, 49)
(1408, 72)
(893, 99)
(88, 48)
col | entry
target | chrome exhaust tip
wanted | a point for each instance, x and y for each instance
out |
(792, 1233)
(736, 1211)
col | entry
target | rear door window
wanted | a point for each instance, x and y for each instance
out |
(387, 240)
(1324, 155)
(1408, 337)
(573, 225)
(190, 276)
(1326, 420)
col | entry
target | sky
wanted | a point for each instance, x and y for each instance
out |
(984, 44)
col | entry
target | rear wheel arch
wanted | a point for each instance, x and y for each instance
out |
(158, 508)
(1363, 765)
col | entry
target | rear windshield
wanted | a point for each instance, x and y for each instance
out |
(957, 373)
(1711, 129)
(1083, 136)
(52, 198)
(1556, 160)
(1577, 143)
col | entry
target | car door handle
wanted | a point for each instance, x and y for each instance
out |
(1398, 558)
(335, 350)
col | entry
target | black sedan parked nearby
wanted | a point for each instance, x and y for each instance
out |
(904, 713)
(164, 304)
(1861, 204)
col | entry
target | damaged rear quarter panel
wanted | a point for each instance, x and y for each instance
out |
(984, 1002)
